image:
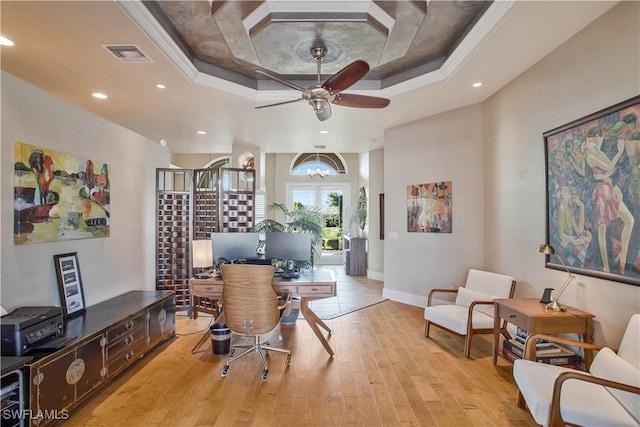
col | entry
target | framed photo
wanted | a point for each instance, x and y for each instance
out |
(593, 193)
(70, 284)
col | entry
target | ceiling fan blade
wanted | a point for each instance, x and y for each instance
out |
(279, 80)
(324, 114)
(279, 103)
(346, 77)
(360, 101)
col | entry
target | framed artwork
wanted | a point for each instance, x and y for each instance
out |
(381, 196)
(429, 207)
(593, 193)
(69, 284)
(58, 196)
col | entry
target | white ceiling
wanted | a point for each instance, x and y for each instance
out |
(58, 47)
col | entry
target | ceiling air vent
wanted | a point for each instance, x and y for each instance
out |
(127, 53)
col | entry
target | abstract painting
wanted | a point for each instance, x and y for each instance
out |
(58, 196)
(593, 193)
(429, 207)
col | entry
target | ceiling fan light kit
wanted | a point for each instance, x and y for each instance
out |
(321, 95)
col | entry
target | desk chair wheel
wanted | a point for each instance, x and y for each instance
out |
(264, 374)
(224, 371)
(288, 359)
(232, 352)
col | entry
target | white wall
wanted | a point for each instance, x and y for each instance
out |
(109, 266)
(446, 147)
(597, 68)
(375, 267)
(499, 208)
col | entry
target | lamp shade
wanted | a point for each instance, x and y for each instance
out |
(546, 249)
(202, 253)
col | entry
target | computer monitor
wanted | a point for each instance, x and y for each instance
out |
(288, 246)
(235, 246)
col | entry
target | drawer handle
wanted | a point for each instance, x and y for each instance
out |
(314, 289)
(128, 340)
(512, 316)
(129, 324)
(129, 355)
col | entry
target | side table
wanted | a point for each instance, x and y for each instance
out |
(531, 315)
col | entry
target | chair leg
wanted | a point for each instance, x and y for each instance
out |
(520, 400)
(467, 346)
(427, 326)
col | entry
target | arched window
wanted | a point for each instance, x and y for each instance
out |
(220, 162)
(318, 164)
(209, 179)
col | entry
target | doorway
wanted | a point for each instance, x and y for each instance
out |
(331, 198)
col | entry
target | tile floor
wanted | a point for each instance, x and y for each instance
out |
(354, 293)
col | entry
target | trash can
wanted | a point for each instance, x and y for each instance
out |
(220, 338)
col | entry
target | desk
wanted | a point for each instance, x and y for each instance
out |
(531, 315)
(311, 285)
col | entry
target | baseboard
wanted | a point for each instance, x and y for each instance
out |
(375, 275)
(405, 298)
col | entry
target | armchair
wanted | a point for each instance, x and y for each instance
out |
(252, 308)
(472, 312)
(607, 395)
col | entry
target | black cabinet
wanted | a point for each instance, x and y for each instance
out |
(13, 392)
(104, 340)
(355, 256)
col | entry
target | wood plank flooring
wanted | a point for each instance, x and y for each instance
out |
(384, 373)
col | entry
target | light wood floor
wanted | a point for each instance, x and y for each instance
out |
(385, 373)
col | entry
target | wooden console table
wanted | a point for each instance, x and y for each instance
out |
(103, 341)
(311, 285)
(531, 315)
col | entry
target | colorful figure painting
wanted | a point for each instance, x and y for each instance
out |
(593, 193)
(429, 207)
(58, 196)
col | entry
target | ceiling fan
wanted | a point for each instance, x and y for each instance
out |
(321, 96)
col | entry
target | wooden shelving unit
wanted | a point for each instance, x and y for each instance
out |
(192, 204)
(173, 232)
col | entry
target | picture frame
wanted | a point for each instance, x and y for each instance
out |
(69, 284)
(430, 207)
(593, 194)
(381, 196)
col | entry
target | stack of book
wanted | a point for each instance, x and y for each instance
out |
(546, 352)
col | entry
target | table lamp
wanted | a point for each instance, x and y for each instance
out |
(202, 251)
(554, 304)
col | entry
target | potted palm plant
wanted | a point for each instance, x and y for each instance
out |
(301, 219)
(359, 210)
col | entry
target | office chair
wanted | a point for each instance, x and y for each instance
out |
(251, 309)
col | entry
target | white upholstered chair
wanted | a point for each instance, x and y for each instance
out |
(472, 312)
(607, 395)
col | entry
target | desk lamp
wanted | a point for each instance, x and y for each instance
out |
(202, 251)
(554, 305)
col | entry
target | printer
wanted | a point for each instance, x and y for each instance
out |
(27, 328)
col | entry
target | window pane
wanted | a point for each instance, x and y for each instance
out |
(305, 197)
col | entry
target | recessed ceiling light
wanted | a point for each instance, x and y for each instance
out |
(5, 41)
(163, 142)
(161, 86)
(324, 131)
(477, 84)
(99, 95)
(201, 132)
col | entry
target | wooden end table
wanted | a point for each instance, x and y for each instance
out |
(531, 315)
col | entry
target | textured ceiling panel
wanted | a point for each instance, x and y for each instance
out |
(399, 39)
